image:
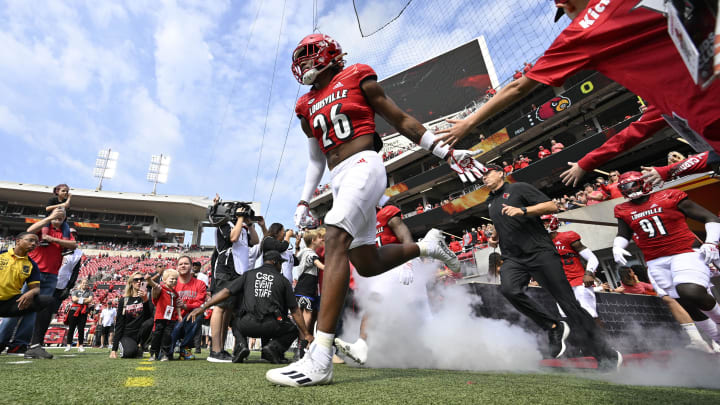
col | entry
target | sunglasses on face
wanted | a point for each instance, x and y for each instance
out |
(137, 280)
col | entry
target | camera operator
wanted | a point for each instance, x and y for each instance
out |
(230, 260)
(266, 297)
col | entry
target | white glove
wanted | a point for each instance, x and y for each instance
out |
(300, 213)
(619, 255)
(709, 252)
(406, 275)
(463, 163)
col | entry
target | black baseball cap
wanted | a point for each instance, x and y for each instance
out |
(560, 11)
(273, 255)
(493, 166)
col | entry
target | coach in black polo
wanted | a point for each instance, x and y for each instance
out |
(528, 251)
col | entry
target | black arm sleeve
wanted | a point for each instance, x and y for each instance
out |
(119, 324)
(236, 286)
(697, 212)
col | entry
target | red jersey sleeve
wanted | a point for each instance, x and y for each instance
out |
(674, 195)
(571, 237)
(565, 57)
(649, 124)
(363, 72)
(694, 164)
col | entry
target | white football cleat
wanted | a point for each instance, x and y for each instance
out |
(433, 245)
(357, 351)
(304, 372)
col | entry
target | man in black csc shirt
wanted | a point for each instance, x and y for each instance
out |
(528, 251)
(264, 297)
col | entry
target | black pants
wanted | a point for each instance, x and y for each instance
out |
(105, 334)
(79, 323)
(9, 308)
(161, 340)
(43, 318)
(129, 348)
(546, 268)
(276, 335)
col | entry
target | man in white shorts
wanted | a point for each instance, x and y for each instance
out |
(657, 222)
(338, 117)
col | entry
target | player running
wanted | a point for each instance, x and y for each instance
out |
(337, 115)
(570, 248)
(390, 229)
(658, 222)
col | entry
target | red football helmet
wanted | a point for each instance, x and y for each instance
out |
(632, 185)
(322, 50)
(552, 223)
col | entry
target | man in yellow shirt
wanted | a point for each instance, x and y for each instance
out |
(16, 270)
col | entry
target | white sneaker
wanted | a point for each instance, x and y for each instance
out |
(81, 349)
(433, 245)
(67, 348)
(715, 346)
(302, 373)
(357, 351)
(700, 346)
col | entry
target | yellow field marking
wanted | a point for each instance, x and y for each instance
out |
(146, 362)
(139, 382)
(145, 368)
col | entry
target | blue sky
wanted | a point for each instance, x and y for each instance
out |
(191, 79)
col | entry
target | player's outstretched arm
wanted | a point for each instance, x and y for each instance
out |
(400, 230)
(509, 94)
(461, 161)
(699, 213)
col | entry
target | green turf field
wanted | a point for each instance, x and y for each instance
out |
(92, 378)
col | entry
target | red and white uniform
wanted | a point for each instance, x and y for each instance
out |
(338, 113)
(628, 42)
(166, 304)
(574, 271)
(385, 235)
(665, 239)
(570, 258)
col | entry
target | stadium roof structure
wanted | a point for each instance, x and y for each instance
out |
(173, 211)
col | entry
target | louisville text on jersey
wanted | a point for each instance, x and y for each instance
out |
(646, 213)
(337, 95)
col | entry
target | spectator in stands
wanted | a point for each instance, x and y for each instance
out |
(455, 245)
(193, 293)
(200, 274)
(494, 264)
(593, 195)
(674, 157)
(629, 283)
(428, 207)
(107, 322)
(48, 258)
(543, 153)
(524, 161)
(82, 302)
(612, 187)
(133, 309)
(526, 67)
(517, 75)
(167, 313)
(507, 167)
(517, 163)
(419, 209)
(16, 270)
(467, 240)
(556, 146)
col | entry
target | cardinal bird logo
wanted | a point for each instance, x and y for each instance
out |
(552, 107)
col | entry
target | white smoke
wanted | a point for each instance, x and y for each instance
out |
(403, 334)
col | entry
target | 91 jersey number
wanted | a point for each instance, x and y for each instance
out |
(340, 123)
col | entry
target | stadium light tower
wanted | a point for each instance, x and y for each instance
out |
(105, 165)
(158, 171)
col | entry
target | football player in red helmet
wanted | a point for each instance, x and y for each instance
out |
(658, 223)
(338, 116)
(570, 248)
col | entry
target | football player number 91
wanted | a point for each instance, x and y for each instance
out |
(341, 124)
